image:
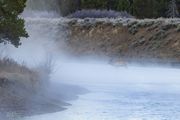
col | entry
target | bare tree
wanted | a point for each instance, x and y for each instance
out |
(172, 9)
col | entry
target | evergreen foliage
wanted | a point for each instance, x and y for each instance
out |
(123, 5)
(11, 25)
(138, 8)
(172, 9)
(145, 8)
(69, 6)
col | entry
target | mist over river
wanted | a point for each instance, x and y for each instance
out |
(119, 93)
(116, 92)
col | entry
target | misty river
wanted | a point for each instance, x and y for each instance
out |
(115, 93)
(132, 93)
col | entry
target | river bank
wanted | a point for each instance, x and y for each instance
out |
(24, 92)
(129, 40)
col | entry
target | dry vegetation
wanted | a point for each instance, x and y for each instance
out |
(19, 85)
(153, 40)
(27, 92)
(11, 71)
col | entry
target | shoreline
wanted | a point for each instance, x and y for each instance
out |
(44, 103)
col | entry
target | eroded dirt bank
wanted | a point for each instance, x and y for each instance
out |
(152, 40)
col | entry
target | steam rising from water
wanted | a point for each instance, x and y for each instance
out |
(132, 93)
(42, 8)
(103, 73)
(47, 38)
(98, 74)
(42, 43)
(46, 34)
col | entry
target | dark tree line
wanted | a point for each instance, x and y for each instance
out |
(138, 8)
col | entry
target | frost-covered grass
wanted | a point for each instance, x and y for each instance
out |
(131, 23)
(123, 21)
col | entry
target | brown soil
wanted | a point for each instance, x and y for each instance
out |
(155, 40)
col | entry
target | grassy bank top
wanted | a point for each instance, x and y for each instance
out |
(123, 22)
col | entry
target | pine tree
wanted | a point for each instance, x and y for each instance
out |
(172, 9)
(145, 8)
(11, 25)
(123, 5)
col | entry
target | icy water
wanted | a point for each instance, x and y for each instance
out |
(130, 93)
